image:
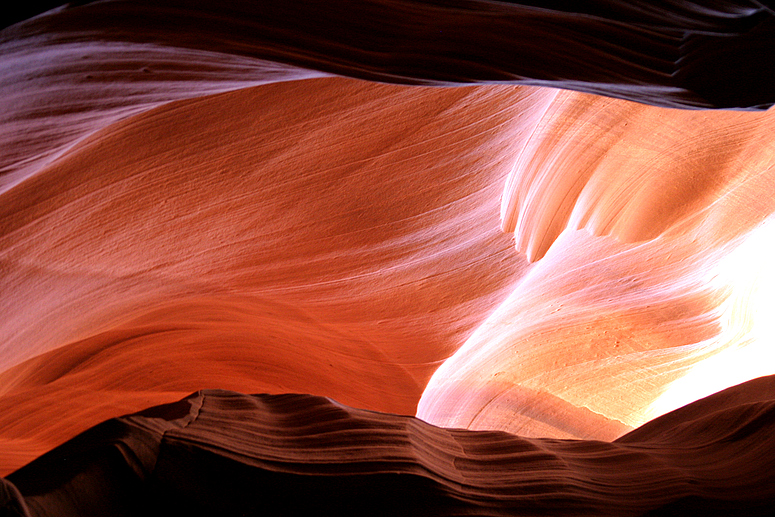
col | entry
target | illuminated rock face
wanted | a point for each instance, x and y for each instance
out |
(196, 202)
(640, 218)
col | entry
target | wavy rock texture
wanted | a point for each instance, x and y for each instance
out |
(281, 259)
(663, 295)
(698, 54)
(191, 199)
(296, 454)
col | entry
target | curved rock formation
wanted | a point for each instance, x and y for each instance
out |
(333, 262)
(699, 54)
(190, 199)
(299, 454)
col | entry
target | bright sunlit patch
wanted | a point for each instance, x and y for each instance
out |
(747, 341)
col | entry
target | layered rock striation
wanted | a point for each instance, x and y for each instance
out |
(223, 452)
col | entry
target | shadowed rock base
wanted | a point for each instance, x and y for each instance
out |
(224, 453)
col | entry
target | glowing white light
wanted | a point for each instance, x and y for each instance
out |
(747, 342)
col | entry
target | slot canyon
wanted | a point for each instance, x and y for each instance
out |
(387, 257)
